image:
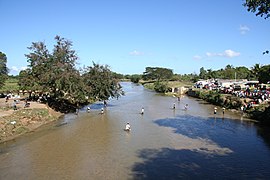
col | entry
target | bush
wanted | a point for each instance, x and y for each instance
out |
(160, 87)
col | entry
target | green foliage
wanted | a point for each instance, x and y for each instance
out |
(203, 73)
(135, 78)
(10, 85)
(264, 74)
(189, 77)
(101, 83)
(160, 87)
(55, 75)
(26, 81)
(117, 75)
(260, 7)
(216, 98)
(230, 72)
(3, 69)
(261, 113)
(157, 73)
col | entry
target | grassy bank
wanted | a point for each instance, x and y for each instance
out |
(11, 85)
(169, 84)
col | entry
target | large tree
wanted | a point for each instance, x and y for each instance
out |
(157, 73)
(55, 73)
(3, 69)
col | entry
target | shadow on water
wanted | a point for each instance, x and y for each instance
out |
(186, 164)
(244, 162)
(264, 132)
(223, 131)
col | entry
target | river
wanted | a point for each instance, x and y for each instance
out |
(164, 143)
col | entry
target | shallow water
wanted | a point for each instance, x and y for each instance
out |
(163, 143)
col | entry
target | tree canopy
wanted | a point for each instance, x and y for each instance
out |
(55, 75)
(229, 72)
(101, 82)
(264, 74)
(157, 73)
(3, 69)
(260, 7)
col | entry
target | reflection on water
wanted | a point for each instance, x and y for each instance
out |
(163, 143)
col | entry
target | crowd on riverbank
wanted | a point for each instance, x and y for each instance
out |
(23, 119)
(254, 103)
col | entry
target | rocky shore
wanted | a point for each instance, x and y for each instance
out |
(14, 123)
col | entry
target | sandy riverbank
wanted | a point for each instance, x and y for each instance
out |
(14, 123)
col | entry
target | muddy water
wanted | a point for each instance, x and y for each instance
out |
(164, 143)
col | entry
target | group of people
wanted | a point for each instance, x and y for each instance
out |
(223, 110)
(185, 107)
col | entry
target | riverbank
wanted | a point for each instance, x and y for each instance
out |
(14, 123)
(258, 112)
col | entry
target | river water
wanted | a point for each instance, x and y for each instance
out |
(164, 143)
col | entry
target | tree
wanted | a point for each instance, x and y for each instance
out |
(3, 69)
(55, 73)
(264, 74)
(260, 7)
(161, 87)
(157, 73)
(243, 72)
(26, 81)
(100, 79)
(135, 78)
(255, 70)
(203, 73)
(229, 72)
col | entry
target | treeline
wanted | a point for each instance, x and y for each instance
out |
(257, 72)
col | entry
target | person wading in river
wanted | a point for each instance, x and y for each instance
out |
(128, 128)
(142, 111)
(215, 110)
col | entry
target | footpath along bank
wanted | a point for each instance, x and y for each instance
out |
(14, 123)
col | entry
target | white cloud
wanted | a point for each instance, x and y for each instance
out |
(230, 53)
(197, 57)
(136, 53)
(244, 29)
(227, 53)
(16, 70)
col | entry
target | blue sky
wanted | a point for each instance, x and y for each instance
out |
(129, 35)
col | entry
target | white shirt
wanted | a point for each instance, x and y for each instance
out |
(127, 127)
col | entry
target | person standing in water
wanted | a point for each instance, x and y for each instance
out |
(223, 110)
(215, 110)
(186, 106)
(128, 128)
(173, 105)
(142, 111)
(102, 110)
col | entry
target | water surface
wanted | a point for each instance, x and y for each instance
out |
(163, 143)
